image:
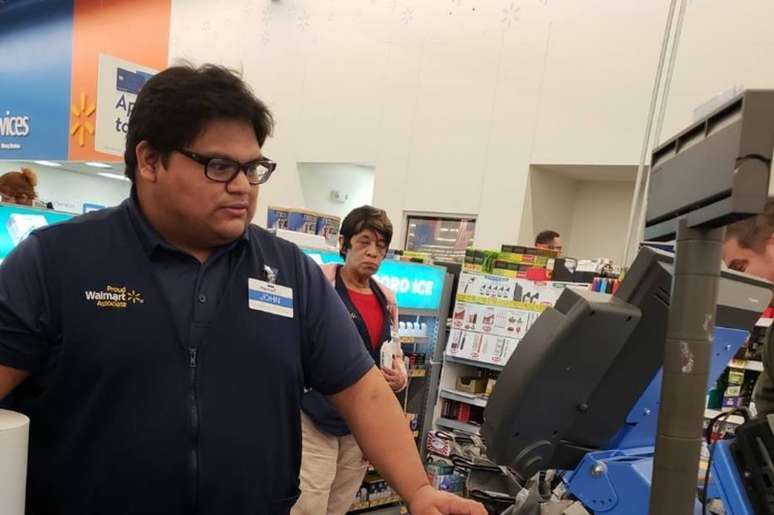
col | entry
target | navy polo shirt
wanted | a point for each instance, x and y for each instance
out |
(154, 386)
(191, 288)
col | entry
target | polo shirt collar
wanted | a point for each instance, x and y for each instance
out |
(149, 236)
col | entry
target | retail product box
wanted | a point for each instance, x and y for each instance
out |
(463, 413)
(416, 257)
(302, 221)
(524, 259)
(437, 444)
(487, 348)
(453, 483)
(735, 377)
(732, 402)
(733, 391)
(277, 217)
(518, 249)
(478, 288)
(471, 384)
(439, 468)
(328, 227)
(490, 385)
(445, 477)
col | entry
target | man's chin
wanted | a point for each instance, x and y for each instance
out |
(232, 231)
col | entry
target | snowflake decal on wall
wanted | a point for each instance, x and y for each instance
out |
(511, 15)
(407, 15)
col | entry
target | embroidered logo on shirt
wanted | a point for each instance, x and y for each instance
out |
(119, 297)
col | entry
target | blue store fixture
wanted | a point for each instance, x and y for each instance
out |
(617, 481)
(581, 393)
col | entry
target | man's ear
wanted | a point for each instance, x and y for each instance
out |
(148, 161)
(341, 244)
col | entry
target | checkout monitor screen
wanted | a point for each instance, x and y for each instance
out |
(17, 222)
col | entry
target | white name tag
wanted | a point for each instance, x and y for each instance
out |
(270, 298)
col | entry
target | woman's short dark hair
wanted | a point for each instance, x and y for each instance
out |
(360, 219)
(174, 106)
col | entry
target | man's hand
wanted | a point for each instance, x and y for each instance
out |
(396, 378)
(10, 378)
(429, 501)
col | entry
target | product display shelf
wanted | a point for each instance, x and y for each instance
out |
(735, 386)
(764, 322)
(475, 400)
(472, 363)
(465, 427)
(370, 506)
(748, 364)
(491, 315)
(733, 419)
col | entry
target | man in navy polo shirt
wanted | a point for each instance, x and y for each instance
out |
(161, 348)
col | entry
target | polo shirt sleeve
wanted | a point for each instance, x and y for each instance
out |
(25, 313)
(334, 356)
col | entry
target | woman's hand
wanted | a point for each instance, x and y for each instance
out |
(397, 377)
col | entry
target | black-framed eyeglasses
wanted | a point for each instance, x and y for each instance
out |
(221, 169)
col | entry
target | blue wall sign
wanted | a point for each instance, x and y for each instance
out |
(416, 286)
(35, 77)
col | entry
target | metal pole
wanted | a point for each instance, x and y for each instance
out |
(648, 128)
(686, 369)
(640, 227)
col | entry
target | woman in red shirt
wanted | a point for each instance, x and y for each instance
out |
(333, 466)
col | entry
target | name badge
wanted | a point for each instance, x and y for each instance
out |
(270, 298)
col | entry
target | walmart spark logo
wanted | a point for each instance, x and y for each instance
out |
(114, 297)
(81, 124)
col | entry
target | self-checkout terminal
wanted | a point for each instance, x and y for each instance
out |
(610, 390)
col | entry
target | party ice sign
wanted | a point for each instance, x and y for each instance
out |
(416, 286)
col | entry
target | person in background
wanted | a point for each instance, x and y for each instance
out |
(749, 248)
(332, 464)
(18, 187)
(549, 240)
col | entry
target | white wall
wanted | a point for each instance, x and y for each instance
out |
(443, 97)
(319, 179)
(600, 219)
(55, 184)
(550, 205)
(451, 100)
(590, 215)
(722, 45)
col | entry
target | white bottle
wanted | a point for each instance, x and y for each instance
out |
(388, 352)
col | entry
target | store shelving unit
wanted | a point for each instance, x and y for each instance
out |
(465, 427)
(419, 397)
(748, 364)
(491, 314)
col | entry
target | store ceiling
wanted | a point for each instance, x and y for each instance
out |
(586, 172)
(82, 167)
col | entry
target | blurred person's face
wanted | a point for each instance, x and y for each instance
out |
(555, 245)
(757, 262)
(366, 253)
(16, 198)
